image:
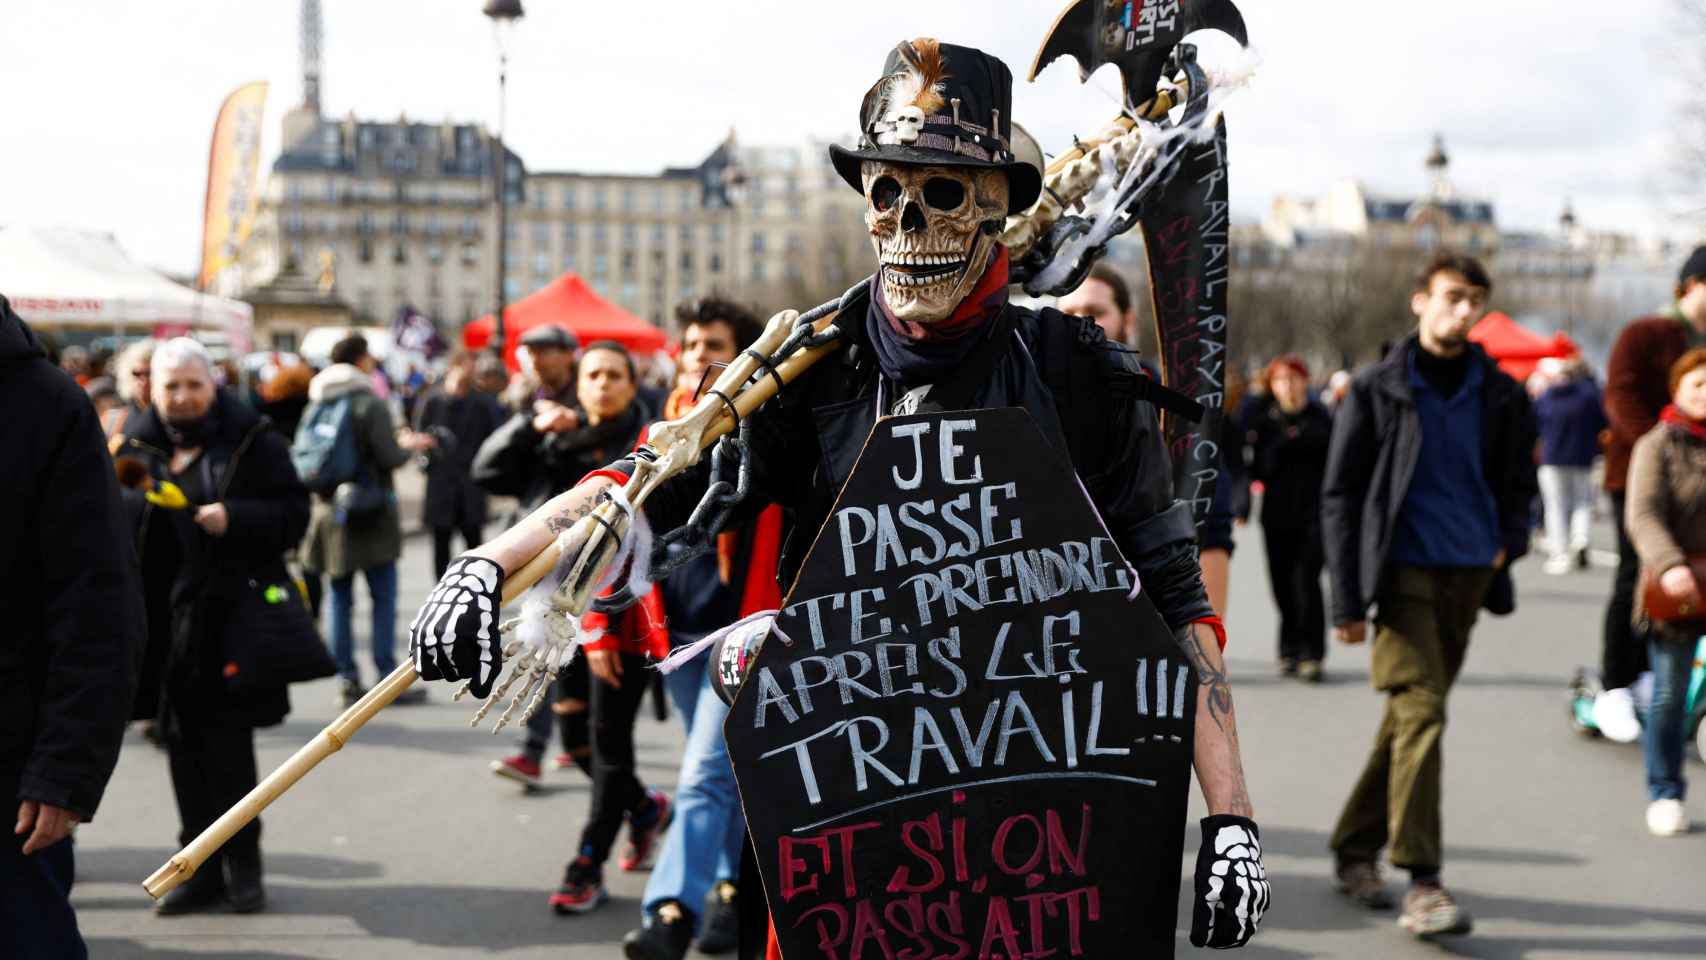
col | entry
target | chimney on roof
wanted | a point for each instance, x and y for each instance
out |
(310, 27)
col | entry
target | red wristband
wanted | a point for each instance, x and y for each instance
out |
(608, 473)
(1219, 629)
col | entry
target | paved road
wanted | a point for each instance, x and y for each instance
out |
(404, 846)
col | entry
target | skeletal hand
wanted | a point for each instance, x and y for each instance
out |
(455, 634)
(1232, 890)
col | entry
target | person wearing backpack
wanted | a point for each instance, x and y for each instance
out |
(345, 450)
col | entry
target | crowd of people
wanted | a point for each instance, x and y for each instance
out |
(1412, 484)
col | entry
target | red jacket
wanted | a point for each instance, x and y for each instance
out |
(1637, 387)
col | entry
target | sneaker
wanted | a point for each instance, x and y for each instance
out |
(722, 921)
(582, 890)
(1360, 880)
(350, 691)
(518, 768)
(562, 761)
(1288, 667)
(665, 936)
(1614, 715)
(1309, 671)
(1667, 818)
(1430, 909)
(643, 835)
(1558, 564)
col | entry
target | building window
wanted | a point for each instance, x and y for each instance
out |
(627, 263)
(537, 199)
(685, 235)
(714, 263)
(569, 262)
(435, 256)
(399, 253)
(512, 290)
(757, 243)
(512, 231)
(688, 200)
(598, 197)
(470, 227)
(571, 236)
(630, 294)
(470, 255)
(630, 235)
(600, 236)
(686, 261)
(541, 264)
(568, 196)
(758, 271)
(627, 199)
(284, 341)
(364, 249)
(717, 233)
(657, 235)
(541, 235)
(600, 268)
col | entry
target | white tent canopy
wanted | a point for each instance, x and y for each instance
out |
(59, 277)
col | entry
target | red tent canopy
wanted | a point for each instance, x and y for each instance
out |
(1517, 349)
(567, 301)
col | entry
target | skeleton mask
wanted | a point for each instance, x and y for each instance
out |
(925, 225)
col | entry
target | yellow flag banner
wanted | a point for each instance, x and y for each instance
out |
(233, 194)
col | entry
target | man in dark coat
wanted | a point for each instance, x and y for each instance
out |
(450, 424)
(524, 458)
(1430, 475)
(71, 600)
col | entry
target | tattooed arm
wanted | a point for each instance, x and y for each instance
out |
(513, 548)
(1220, 769)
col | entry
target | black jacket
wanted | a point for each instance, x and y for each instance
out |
(519, 461)
(70, 592)
(1288, 453)
(461, 425)
(1376, 441)
(248, 468)
(808, 438)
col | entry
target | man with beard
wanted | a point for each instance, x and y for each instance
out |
(1430, 473)
(938, 333)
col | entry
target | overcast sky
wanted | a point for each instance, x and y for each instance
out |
(107, 106)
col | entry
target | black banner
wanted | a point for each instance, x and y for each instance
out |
(975, 740)
(1185, 232)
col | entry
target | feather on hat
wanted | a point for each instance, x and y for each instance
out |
(921, 84)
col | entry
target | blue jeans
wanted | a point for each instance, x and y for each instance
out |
(702, 846)
(1672, 660)
(36, 919)
(382, 590)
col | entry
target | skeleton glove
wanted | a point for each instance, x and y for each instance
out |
(1232, 885)
(455, 635)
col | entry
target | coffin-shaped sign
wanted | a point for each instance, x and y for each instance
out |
(972, 735)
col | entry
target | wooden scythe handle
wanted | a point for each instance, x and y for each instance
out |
(185, 862)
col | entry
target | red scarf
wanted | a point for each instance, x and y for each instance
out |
(979, 305)
(1673, 415)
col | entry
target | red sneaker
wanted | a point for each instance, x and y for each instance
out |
(518, 768)
(563, 761)
(643, 836)
(582, 890)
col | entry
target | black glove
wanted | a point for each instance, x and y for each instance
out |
(455, 635)
(1232, 884)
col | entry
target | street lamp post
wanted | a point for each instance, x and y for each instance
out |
(1566, 227)
(504, 14)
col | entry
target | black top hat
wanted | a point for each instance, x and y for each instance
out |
(941, 105)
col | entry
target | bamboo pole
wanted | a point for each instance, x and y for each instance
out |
(185, 862)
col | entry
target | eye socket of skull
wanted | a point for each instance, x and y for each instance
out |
(884, 192)
(944, 194)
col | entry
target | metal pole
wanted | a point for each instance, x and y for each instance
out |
(500, 177)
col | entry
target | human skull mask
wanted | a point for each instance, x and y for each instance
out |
(925, 225)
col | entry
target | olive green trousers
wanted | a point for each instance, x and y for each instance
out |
(1421, 635)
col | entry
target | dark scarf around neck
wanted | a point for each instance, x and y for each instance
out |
(913, 354)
